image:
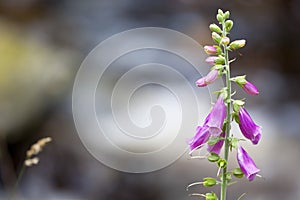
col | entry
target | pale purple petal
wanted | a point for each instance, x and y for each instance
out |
(201, 82)
(211, 59)
(246, 164)
(211, 76)
(247, 126)
(216, 117)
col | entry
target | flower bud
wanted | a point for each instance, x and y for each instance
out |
(226, 15)
(220, 17)
(210, 50)
(201, 82)
(208, 79)
(237, 44)
(237, 172)
(222, 163)
(215, 28)
(211, 76)
(211, 196)
(225, 40)
(228, 25)
(209, 182)
(216, 37)
(220, 12)
(211, 60)
(249, 88)
(213, 157)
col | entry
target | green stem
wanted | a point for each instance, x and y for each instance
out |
(15, 189)
(228, 120)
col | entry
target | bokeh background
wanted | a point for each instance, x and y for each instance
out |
(42, 44)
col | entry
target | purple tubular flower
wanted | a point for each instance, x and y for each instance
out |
(200, 138)
(208, 79)
(246, 164)
(250, 88)
(212, 126)
(249, 129)
(216, 117)
(218, 146)
(211, 59)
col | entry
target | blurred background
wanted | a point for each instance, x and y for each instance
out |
(42, 44)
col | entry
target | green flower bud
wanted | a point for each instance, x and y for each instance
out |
(228, 25)
(226, 15)
(211, 196)
(216, 37)
(213, 157)
(215, 28)
(237, 172)
(209, 182)
(220, 12)
(220, 18)
(237, 44)
(222, 163)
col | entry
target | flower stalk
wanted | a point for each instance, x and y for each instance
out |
(228, 101)
(215, 131)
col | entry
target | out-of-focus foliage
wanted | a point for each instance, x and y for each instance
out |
(31, 75)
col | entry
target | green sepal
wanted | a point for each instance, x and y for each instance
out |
(233, 143)
(213, 140)
(220, 60)
(240, 80)
(237, 105)
(236, 117)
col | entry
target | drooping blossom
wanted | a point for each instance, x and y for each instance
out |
(208, 79)
(216, 148)
(246, 164)
(212, 125)
(249, 88)
(249, 129)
